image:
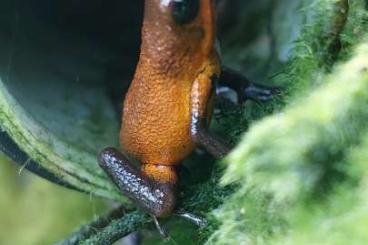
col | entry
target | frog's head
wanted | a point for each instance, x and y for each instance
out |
(182, 25)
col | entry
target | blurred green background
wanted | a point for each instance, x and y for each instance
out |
(34, 211)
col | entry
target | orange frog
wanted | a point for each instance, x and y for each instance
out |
(168, 106)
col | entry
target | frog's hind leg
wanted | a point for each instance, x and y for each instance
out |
(246, 89)
(155, 195)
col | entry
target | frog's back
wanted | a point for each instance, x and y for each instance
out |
(156, 118)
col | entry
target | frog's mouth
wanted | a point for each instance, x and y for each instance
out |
(62, 76)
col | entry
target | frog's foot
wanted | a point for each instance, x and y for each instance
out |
(257, 92)
(154, 196)
(198, 221)
(245, 89)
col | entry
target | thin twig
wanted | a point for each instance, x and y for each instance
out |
(119, 228)
(93, 228)
(199, 198)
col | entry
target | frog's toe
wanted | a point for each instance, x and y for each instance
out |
(197, 220)
(259, 93)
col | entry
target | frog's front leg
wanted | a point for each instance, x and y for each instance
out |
(156, 196)
(202, 95)
(244, 88)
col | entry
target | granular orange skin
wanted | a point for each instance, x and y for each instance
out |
(158, 108)
(169, 104)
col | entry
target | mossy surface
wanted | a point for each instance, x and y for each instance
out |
(298, 175)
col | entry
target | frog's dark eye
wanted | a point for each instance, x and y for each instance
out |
(184, 11)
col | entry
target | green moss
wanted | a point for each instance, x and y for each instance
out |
(343, 216)
(118, 228)
(297, 157)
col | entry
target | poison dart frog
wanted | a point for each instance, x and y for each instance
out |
(168, 106)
